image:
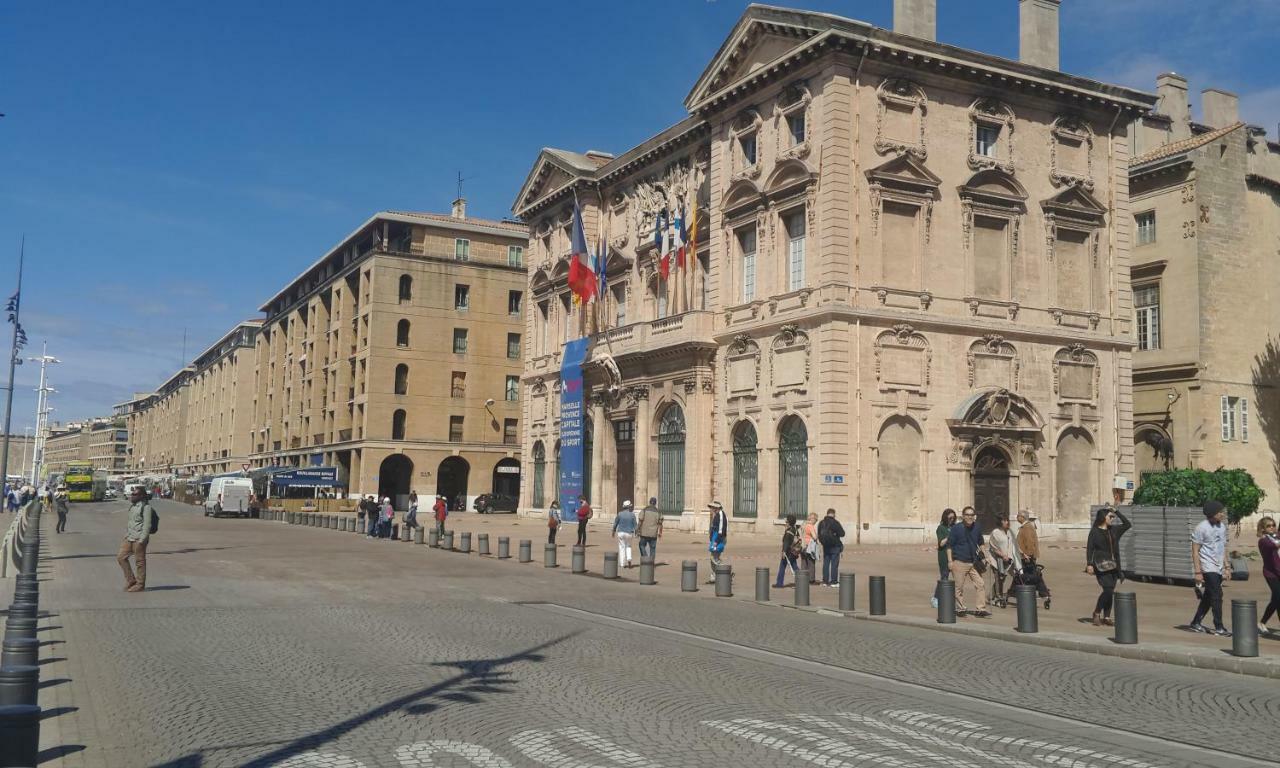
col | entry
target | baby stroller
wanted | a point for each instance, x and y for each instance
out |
(1031, 575)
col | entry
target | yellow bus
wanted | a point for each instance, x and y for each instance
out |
(83, 483)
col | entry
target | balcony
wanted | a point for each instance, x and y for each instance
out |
(688, 329)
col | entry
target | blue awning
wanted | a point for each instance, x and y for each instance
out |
(307, 477)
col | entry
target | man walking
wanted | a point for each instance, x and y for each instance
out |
(374, 514)
(718, 536)
(650, 529)
(1208, 557)
(964, 548)
(441, 511)
(830, 536)
(60, 506)
(584, 514)
(136, 536)
(624, 527)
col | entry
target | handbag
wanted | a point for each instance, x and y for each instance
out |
(1107, 564)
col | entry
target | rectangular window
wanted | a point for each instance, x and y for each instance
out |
(620, 305)
(515, 303)
(455, 429)
(624, 431)
(795, 251)
(566, 312)
(544, 323)
(990, 257)
(462, 249)
(1235, 419)
(747, 246)
(899, 245)
(513, 389)
(1244, 419)
(510, 431)
(987, 136)
(460, 341)
(795, 126)
(1146, 227)
(1146, 303)
(513, 346)
(459, 386)
(662, 300)
(461, 297)
(515, 256)
(747, 145)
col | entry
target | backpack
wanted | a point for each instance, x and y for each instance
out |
(155, 520)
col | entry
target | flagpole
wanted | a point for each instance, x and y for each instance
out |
(13, 361)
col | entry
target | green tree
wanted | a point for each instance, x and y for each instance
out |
(1193, 487)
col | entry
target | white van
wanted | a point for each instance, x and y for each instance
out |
(228, 495)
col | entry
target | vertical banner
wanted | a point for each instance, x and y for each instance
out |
(571, 422)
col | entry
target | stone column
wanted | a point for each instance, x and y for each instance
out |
(599, 432)
(641, 394)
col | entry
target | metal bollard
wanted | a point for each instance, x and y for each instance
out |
(1244, 625)
(433, 538)
(877, 595)
(724, 581)
(333, 522)
(847, 599)
(611, 565)
(526, 551)
(689, 576)
(418, 533)
(19, 734)
(802, 588)
(26, 593)
(578, 560)
(1126, 607)
(646, 571)
(504, 548)
(549, 555)
(17, 628)
(18, 684)
(1028, 621)
(482, 543)
(22, 610)
(946, 601)
(762, 584)
(20, 651)
(447, 542)
(464, 545)
(292, 518)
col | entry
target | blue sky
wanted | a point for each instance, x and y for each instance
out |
(173, 163)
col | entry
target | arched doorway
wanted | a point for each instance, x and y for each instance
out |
(1152, 449)
(746, 470)
(671, 461)
(588, 440)
(793, 468)
(624, 441)
(506, 478)
(451, 481)
(990, 486)
(394, 475)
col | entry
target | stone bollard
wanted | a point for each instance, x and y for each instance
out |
(433, 538)
(526, 551)
(578, 559)
(417, 535)
(18, 684)
(1126, 607)
(724, 581)
(20, 651)
(847, 599)
(464, 543)
(1244, 625)
(482, 544)
(447, 542)
(395, 531)
(611, 565)
(19, 734)
(802, 588)
(689, 576)
(646, 571)
(333, 522)
(762, 584)
(406, 532)
(19, 628)
(946, 601)
(548, 555)
(1028, 621)
(290, 518)
(877, 596)
(504, 548)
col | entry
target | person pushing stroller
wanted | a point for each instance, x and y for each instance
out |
(1028, 546)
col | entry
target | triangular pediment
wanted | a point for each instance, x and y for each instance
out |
(549, 174)
(762, 36)
(1077, 202)
(616, 262)
(904, 170)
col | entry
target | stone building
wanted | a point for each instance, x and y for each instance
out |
(102, 442)
(21, 453)
(396, 358)
(1206, 279)
(910, 291)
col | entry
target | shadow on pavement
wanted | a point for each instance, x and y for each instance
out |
(56, 711)
(167, 588)
(55, 681)
(55, 753)
(184, 551)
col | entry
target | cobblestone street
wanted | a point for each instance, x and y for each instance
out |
(262, 644)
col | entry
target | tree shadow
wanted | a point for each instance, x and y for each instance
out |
(1266, 400)
(183, 551)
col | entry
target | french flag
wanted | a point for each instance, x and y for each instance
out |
(659, 244)
(582, 278)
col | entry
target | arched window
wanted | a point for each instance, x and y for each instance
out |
(746, 461)
(539, 474)
(898, 469)
(588, 440)
(406, 288)
(402, 333)
(1075, 477)
(397, 424)
(402, 379)
(793, 468)
(671, 461)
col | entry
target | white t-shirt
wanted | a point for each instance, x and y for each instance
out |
(1213, 545)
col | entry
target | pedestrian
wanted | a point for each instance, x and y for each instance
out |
(1209, 558)
(60, 506)
(943, 536)
(388, 517)
(142, 519)
(966, 560)
(718, 536)
(1269, 548)
(441, 513)
(831, 537)
(375, 515)
(1027, 540)
(624, 527)
(362, 507)
(809, 553)
(791, 549)
(1004, 561)
(553, 521)
(411, 517)
(11, 498)
(1102, 559)
(649, 526)
(584, 514)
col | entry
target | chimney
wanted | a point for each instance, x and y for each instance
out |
(918, 18)
(1171, 88)
(460, 208)
(1221, 108)
(1038, 32)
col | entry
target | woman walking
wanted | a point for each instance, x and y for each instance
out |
(790, 550)
(584, 514)
(1269, 546)
(943, 534)
(411, 517)
(388, 515)
(624, 528)
(810, 546)
(1102, 559)
(553, 521)
(60, 505)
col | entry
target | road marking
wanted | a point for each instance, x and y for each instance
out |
(419, 755)
(320, 760)
(898, 730)
(536, 745)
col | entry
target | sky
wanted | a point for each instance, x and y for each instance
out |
(172, 164)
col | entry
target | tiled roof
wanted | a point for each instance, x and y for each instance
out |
(1186, 145)
(445, 218)
(587, 163)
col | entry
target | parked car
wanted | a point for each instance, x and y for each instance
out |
(228, 495)
(494, 502)
(111, 493)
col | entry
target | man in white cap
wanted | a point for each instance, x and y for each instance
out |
(624, 527)
(718, 536)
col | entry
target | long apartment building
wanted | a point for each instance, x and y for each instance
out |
(102, 442)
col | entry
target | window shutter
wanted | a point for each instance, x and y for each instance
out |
(1226, 419)
(1244, 419)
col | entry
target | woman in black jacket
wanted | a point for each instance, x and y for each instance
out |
(790, 550)
(1102, 559)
